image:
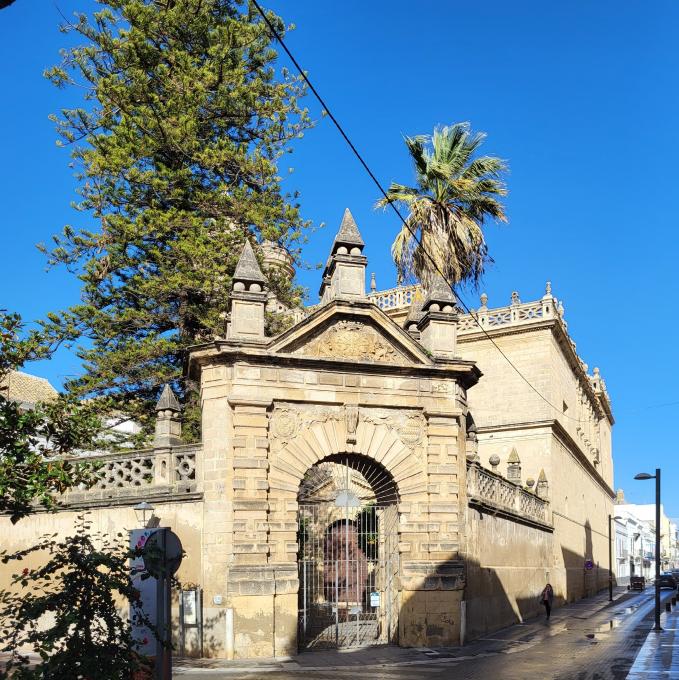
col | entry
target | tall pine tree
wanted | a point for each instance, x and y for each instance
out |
(176, 149)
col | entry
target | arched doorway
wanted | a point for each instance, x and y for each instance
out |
(348, 554)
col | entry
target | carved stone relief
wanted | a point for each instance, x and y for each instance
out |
(288, 420)
(352, 340)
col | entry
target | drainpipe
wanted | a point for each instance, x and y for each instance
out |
(229, 643)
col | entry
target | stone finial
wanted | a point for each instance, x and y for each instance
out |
(548, 290)
(168, 400)
(560, 309)
(619, 497)
(247, 269)
(514, 467)
(484, 302)
(348, 234)
(168, 421)
(248, 299)
(414, 315)
(373, 283)
(542, 488)
(472, 444)
(515, 298)
(438, 325)
(494, 461)
(439, 296)
(344, 273)
(530, 483)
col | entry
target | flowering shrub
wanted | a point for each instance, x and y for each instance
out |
(67, 610)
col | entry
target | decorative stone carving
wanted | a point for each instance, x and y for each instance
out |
(285, 424)
(351, 420)
(411, 431)
(352, 340)
(288, 420)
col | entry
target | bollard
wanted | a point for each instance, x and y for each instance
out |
(668, 606)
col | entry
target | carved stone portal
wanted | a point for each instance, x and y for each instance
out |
(352, 340)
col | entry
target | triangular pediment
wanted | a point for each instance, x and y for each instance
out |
(351, 331)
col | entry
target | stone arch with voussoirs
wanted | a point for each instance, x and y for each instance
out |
(384, 449)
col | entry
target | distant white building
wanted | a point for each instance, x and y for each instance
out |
(635, 540)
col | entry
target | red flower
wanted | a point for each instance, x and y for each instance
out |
(25, 571)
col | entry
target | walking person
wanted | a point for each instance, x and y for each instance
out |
(546, 598)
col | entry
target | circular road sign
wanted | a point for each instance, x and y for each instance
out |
(153, 553)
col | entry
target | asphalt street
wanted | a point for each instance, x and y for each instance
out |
(582, 642)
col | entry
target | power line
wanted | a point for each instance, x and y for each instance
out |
(366, 167)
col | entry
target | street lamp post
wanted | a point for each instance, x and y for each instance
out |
(656, 476)
(610, 556)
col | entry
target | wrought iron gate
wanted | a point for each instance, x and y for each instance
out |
(348, 556)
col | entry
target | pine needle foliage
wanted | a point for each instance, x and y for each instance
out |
(176, 149)
(456, 192)
(37, 441)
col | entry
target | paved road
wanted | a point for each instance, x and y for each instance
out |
(582, 642)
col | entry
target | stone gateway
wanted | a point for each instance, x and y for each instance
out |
(347, 490)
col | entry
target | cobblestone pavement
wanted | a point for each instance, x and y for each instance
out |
(589, 640)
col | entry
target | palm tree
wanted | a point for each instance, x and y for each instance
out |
(456, 193)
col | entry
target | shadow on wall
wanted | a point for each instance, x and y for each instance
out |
(584, 576)
(509, 562)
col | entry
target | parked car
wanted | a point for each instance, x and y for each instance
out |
(637, 582)
(667, 580)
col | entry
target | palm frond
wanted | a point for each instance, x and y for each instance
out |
(456, 192)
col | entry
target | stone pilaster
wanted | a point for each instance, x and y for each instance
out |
(250, 482)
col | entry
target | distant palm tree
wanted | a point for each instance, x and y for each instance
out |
(455, 194)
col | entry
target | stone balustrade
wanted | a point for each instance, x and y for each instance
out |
(139, 474)
(491, 490)
(394, 298)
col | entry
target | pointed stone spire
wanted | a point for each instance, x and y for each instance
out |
(514, 467)
(247, 269)
(439, 296)
(514, 456)
(247, 299)
(542, 488)
(415, 313)
(438, 324)
(168, 400)
(348, 234)
(344, 274)
(168, 421)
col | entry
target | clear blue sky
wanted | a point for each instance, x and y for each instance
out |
(580, 97)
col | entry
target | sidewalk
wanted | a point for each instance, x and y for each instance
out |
(659, 657)
(504, 641)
